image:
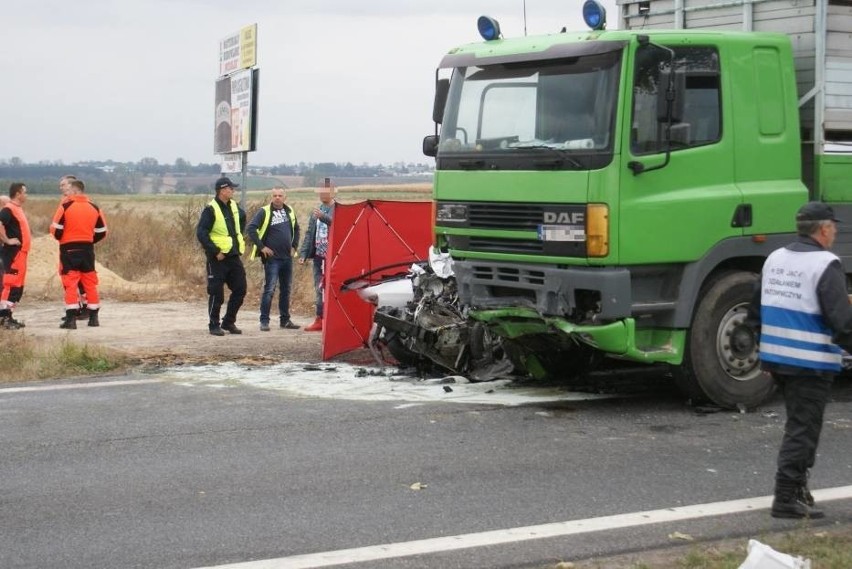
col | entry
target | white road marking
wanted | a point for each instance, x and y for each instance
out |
(513, 535)
(77, 385)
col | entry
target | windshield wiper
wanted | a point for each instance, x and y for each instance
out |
(563, 155)
(476, 164)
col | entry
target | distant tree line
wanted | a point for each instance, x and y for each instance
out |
(111, 177)
(45, 179)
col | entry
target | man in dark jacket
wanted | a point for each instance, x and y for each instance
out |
(802, 312)
(315, 246)
(220, 232)
(275, 234)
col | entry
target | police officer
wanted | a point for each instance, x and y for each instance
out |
(220, 232)
(802, 312)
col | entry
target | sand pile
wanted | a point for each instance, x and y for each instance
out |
(43, 275)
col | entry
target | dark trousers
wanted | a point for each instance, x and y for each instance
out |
(276, 272)
(805, 398)
(229, 271)
(319, 275)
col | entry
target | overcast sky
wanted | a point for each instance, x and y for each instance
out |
(341, 80)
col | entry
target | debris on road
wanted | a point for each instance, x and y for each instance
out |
(681, 536)
(761, 556)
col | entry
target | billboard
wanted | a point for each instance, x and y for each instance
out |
(236, 113)
(238, 51)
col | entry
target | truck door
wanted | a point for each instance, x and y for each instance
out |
(676, 212)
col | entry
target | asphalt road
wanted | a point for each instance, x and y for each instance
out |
(159, 474)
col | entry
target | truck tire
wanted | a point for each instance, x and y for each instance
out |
(721, 362)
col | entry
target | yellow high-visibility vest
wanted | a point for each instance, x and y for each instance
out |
(261, 231)
(219, 232)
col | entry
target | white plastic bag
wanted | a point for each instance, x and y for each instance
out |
(761, 556)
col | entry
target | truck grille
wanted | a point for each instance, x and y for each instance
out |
(504, 216)
(491, 245)
(514, 217)
(518, 246)
(496, 275)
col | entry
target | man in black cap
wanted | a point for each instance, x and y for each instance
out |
(220, 232)
(802, 313)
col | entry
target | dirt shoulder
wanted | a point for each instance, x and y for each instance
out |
(175, 332)
(166, 332)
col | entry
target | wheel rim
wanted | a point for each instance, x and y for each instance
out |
(736, 345)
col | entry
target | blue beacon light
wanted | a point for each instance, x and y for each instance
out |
(594, 15)
(489, 29)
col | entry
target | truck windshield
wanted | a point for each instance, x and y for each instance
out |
(513, 113)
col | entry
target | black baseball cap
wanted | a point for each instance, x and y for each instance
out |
(816, 211)
(224, 182)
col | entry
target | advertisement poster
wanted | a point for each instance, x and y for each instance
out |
(236, 113)
(238, 51)
(232, 164)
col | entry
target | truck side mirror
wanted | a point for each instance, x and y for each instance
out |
(442, 87)
(430, 145)
(671, 93)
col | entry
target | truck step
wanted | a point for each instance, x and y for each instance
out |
(643, 307)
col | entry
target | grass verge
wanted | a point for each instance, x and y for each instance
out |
(827, 548)
(25, 358)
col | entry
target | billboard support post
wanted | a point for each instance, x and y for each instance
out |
(244, 171)
(235, 125)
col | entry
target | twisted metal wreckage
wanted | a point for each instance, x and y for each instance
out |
(420, 322)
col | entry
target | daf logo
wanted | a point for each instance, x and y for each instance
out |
(564, 217)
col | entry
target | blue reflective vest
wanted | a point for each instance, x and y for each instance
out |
(793, 330)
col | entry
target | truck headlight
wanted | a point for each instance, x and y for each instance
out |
(450, 213)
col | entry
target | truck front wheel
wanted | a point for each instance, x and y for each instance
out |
(721, 362)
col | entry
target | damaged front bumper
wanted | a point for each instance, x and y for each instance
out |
(620, 338)
(435, 329)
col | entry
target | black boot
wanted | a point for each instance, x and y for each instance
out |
(9, 323)
(93, 317)
(790, 502)
(806, 496)
(805, 493)
(70, 322)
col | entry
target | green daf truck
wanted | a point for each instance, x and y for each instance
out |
(610, 196)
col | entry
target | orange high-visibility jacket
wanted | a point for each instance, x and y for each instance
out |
(23, 225)
(77, 220)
